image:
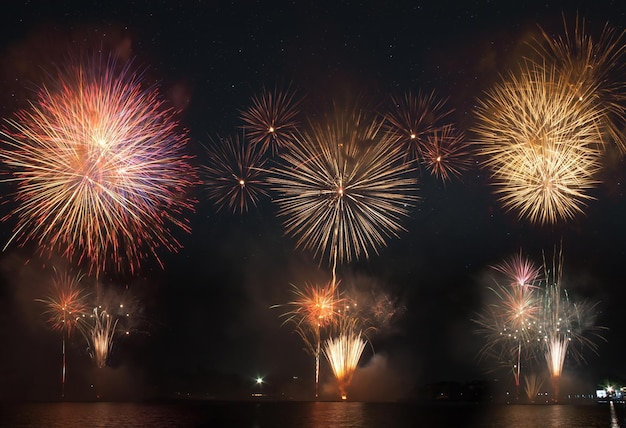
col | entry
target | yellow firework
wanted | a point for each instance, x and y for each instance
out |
(343, 353)
(343, 187)
(100, 337)
(592, 67)
(542, 144)
(532, 385)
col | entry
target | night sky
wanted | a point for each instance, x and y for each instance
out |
(205, 318)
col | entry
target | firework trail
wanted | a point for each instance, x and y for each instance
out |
(592, 67)
(343, 187)
(66, 311)
(99, 167)
(234, 174)
(314, 309)
(542, 144)
(271, 120)
(343, 353)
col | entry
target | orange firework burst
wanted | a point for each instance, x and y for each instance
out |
(99, 167)
(272, 119)
(445, 152)
(412, 119)
(314, 308)
(592, 67)
(234, 174)
(67, 306)
(542, 144)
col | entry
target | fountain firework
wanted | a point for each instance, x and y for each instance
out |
(343, 353)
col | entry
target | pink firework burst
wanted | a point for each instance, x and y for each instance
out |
(100, 170)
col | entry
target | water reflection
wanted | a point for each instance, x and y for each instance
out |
(308, 415)
(342, 414)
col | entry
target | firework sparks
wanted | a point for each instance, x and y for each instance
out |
(271, 120)
(343, 187)
(537, 319)
(445, 153)
(567, 327)
(511, 325)
(413, 119)
(234, 174)
(67, 305)
(591, 67)
(100, 337)
(532, 385)
(99, 169)
(66, 310)
(314, 308)
(315, 305)
(520, 270)
(542, 144)
(343, 354)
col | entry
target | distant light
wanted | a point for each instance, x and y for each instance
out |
(259, 380)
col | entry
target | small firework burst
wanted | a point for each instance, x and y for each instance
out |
(271, 120)
(234, 175)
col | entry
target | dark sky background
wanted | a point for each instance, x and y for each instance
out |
(207, 313)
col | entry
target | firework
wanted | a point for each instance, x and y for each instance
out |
(99, 166)
(445, 153)
(343, 187)
(532, 319)
(413, 119)
(520, 270)
(592, 67)
(100, 336)
(67, 305)
(234, 175)
(510, 324)
(343, 354)
(542, 144)
(122, 306)
(313, 309)
(66, 310)
(532, 385)
(567, 327)
(271, 120)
